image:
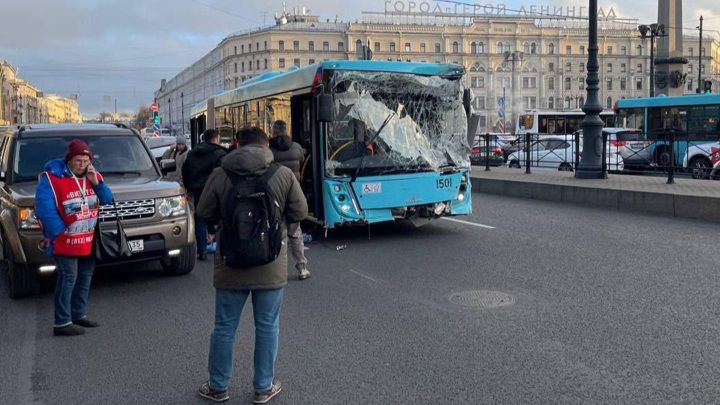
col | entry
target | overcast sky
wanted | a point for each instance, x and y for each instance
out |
(122, 48)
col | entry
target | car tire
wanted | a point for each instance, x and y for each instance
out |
(181, 264)
(700, 168)
(565, 167)
(515, 164)
(663, 157)
(22, 281)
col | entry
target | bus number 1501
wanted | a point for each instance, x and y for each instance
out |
(444, 183)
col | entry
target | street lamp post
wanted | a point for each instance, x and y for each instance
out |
(182, 112)
(700, 56)
(590, 167)
(652, 31)
(169, 115)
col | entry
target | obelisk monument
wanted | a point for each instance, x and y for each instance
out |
(669, 76)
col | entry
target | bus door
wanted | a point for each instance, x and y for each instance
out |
(306, 132)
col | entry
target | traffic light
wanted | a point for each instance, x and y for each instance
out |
(707, 86)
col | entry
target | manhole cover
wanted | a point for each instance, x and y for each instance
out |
(482, 299)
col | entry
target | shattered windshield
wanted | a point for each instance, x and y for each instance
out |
(395, 123)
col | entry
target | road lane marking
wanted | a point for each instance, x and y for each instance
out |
(468, 223)
(362, 275)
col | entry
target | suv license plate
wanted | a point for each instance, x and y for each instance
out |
(136, 245)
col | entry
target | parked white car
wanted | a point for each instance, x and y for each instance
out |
(700, 159)
(558, 153)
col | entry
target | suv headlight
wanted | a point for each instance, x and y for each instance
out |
(27, 219)
(173, 206)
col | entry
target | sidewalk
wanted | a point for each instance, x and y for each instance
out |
(687, 198)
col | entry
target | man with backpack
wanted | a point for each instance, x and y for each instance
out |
(290, 154)
(199, 163)
(253, 200)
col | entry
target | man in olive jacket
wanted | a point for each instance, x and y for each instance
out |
(264, 284)
(290, 154)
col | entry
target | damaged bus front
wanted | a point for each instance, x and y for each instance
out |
(395, 141)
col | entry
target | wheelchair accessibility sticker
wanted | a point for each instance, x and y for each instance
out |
(372, 188)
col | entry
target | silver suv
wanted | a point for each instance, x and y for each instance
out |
(155, 214)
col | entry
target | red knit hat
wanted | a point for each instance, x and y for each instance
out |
(78, 147)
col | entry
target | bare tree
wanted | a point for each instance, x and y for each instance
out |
(143, 117)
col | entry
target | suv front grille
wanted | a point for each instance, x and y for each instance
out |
(130, 209)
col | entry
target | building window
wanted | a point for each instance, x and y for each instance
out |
(257, 46)
(639, 50)
(500, 48)
(481, 47)
(479, 103)
(551, 103)
(266, 64)
(296, 62)
(690, 69)
(473, 47)
(567, 103)
(422, 47)
(551, 83)
(407, 47)
(392, 46)
(638, 83)
(639, 68)
(581, 83)
(609, 67)
(703, 52)
(235, 67)
(242, 66)
(702, 68)
(437, 48)
(377, 46)
(326, 46)
(296, 45)
(582, 50)
(526, 48)
(250, 48)
(690, 50)
(609, 50)
(623, 68)
(281, 62)
(609, 104)
(257, 64)
(690, 86)
(265, 45)
(456, 47)
(568, 67)
(311, 45)
(250, 65)
(568, 50)
(623, 50)
(623, 84)
(551, 67)
(609, 83)
(358, 46)
(533, 48)
(236, 82)
(582, 66)
(508, 48)
(341, 46)
(482, 123)
(311, 61)
(551, 49)
(242, 48)
(568, 83)
(529, 82)
(281, 45)
(530, 102)
(235, 50)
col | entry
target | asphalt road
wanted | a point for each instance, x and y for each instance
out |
(610, 308)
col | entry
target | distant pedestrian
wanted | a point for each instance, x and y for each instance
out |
(290, 154)
(179, 153)
(67, 209)
(270, 194)
(196, 170)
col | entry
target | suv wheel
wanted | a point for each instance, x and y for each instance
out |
(700, 168)
(22, 281)
(181, 264)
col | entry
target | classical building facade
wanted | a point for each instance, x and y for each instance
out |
(7, 76)
(550, 53)
(61, 110)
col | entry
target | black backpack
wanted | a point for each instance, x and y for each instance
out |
(252, 232)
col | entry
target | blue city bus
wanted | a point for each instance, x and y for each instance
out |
(383, 140)
(693, 121)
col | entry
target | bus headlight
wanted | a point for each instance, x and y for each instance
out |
(173, 206)
(345, 208)
(27, 219)
(461, 197)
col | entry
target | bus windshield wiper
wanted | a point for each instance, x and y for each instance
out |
(387, 120)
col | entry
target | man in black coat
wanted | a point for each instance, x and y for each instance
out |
(196, 170)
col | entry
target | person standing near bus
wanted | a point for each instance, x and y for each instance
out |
(290, 154)
(67, 203)
(199, 164)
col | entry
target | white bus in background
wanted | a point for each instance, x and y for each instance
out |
(556, 122)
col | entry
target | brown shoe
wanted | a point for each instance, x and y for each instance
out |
(214, 395)
(265, 396)
(69, 330)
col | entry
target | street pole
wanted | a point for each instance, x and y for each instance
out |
(652, 65)
(700, 55)
(115, 116)
(590, 166)
(169, 115)
(182, 112)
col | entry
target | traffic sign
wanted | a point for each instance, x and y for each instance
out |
(156, 127)
(154, 107)
(156, 133)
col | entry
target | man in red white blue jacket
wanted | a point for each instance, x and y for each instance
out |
(67, 202)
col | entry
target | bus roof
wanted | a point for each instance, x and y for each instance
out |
(298, 79)
(669, 101)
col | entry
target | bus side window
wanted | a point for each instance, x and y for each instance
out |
(560, 126)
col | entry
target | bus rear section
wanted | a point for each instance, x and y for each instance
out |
(396, 146)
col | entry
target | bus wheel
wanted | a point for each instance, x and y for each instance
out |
(662, 157)
(565, 167)
(700, 168)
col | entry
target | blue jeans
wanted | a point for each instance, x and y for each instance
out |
(74, 275)
(228, 308)
(201, 235)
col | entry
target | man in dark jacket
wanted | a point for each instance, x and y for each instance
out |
(290, 154)
(199, 163)
(264, 284)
